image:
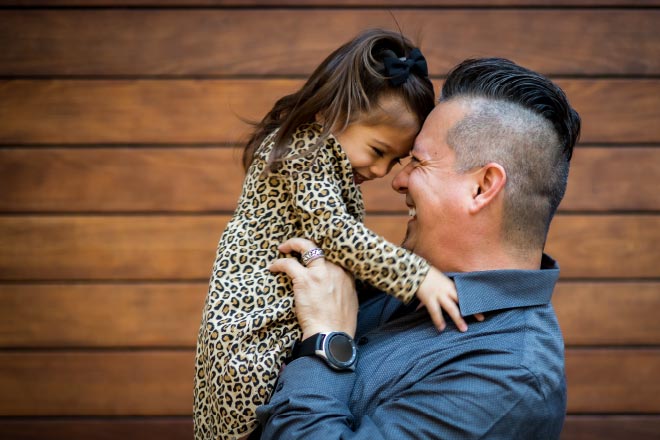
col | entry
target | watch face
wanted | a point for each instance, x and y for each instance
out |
(340, 348)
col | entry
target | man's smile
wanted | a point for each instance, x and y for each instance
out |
(412, 209)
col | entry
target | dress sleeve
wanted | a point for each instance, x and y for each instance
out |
(319, 193)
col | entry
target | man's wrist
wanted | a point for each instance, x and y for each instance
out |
(337, 349)
(312, 330)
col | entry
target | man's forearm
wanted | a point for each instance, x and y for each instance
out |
(310, 401)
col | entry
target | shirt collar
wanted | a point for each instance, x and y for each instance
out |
(485, 291)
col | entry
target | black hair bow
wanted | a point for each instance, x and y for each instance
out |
(398, 69)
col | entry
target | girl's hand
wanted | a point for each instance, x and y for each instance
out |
(437, 292)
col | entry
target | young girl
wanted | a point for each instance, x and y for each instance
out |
(354, 118)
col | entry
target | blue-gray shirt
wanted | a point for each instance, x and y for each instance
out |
(502, 379)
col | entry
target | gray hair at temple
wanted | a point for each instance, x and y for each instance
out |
(523, 121)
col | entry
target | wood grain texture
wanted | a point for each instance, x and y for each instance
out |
(209, 179)
(111, 227)
(120, 179)
(115, 247)
(147, 111)
(613, 381)
(330, 3)
(180, 428)
(608, 313)
(96, 383)
(632, 245)
(159, 382)
(168, 314)
(182, 247)
(230, 42)
(101, 315)
(210, 111)
(611, 427)
(106, 428)
(603, 179)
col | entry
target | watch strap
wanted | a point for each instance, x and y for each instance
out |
(307, 347)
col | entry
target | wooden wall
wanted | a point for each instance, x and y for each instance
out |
(118, 170)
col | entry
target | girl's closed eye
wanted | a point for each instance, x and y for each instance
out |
(377, 152)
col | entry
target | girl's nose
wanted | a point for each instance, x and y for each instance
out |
(379, 169)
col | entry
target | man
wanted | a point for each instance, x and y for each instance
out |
(488, 171)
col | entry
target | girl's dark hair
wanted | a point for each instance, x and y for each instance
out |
(346, 84)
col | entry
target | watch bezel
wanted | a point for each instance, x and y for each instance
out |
(325, 352)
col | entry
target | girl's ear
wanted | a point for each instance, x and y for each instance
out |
(488, 184)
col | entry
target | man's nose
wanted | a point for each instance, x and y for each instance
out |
(400, 181)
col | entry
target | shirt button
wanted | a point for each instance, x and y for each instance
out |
(363, 340)
(279, 386)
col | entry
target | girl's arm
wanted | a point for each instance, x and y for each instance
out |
(329, 210)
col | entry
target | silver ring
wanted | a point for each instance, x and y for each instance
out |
(311, 255)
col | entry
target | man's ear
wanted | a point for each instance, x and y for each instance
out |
(488, 184)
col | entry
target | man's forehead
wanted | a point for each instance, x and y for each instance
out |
(439, 123)
(430, 138)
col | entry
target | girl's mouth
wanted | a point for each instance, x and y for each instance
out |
(358, 178)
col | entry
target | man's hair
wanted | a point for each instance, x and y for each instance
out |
(523, 121)
(347, 85)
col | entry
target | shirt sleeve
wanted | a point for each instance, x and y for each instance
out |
(311, 402)
(318, 197)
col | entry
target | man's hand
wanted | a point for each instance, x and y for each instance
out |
(325, 298)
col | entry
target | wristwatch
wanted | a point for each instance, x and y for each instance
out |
(337, 348)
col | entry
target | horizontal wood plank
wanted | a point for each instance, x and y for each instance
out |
(108, 383)
(578, 243)
(604, 179)
(608, 313)
(101, 315)
(168, 315)
(160, 382)
(597, 379)
(329, 3)
(106, 428)
(210, 111)
(180, 428)
(117, 247)
(209, 179)
(641, 427)
(120, 179)
(182, 247)
(230, 42)
(147, 111)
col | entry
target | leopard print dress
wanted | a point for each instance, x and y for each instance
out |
(248, 323)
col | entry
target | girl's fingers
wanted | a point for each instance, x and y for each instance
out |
(436, 316)
(453, 311)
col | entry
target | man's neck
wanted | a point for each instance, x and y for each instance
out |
(494, 260)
